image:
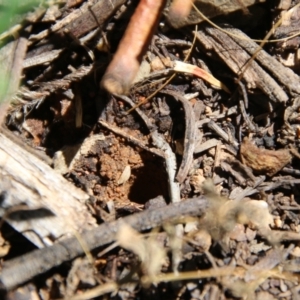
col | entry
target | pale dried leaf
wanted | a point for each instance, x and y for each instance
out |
(183, 67)
(125, 175)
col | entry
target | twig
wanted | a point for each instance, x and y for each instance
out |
(218, 130)
(170, 160)
(225, 166)
(291, 171)
(217, 156)
(143, 116)
(19, 270)
(189, 135)
(174, 191)
(126, 61)
(78, 108)
(247, 120)
(244, 93)
(130, 138)
(206, 145)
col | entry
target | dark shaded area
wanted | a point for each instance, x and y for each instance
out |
(150, 181)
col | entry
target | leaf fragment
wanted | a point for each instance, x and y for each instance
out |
(183, 67)
(264, 161)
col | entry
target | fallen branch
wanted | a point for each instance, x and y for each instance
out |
(20, 270)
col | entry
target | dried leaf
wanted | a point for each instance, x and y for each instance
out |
(183, 67)
(264, 161)
(125, 175)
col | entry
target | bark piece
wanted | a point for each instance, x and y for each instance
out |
(284, 75)
(43, 58)
(65, 82)
(236, 57)
(93, 16)
(90, 15)
(50, 206)
(11, 64)
(11, 60)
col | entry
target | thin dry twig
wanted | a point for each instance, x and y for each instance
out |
(189, 135)
(170, 160)
(130, 138)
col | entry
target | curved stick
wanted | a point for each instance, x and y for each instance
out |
(126, 62)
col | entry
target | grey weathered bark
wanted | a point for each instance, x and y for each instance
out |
(36, 200)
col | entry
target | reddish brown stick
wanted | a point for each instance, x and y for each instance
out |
(126, 62)
(180, 9)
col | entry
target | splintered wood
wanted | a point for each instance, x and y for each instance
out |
(36, 200)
